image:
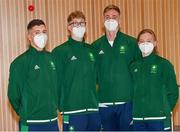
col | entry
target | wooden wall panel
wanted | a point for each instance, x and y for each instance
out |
(163, 16)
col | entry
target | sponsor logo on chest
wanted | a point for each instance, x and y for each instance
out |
(51, 64)
(73, 58)
(101, 52)
(36, 67)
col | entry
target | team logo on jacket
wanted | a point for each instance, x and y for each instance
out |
(122, 49)
(154, 69)
(91, 56)
(52, 65)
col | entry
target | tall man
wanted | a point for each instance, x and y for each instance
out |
(116, 51)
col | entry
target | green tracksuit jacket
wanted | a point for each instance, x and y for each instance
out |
(76, 66)
(113, 74)
(155, 88)
(32, 89)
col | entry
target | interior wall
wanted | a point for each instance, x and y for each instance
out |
(163, 16)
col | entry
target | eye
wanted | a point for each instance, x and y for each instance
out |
(37, 32)
(45, 31)
(115, 17)
(82, 23)
(107, 17)
(140, 42)
(149, 41)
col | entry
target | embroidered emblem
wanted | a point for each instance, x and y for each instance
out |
(122, 49)
(135, 70)
(73, 58)
(154, 69)
(91, 56)
(52, 65)
(71, 128)
(36, 67)
(101, 52)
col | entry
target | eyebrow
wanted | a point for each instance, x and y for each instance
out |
(111, 15)
(40, 30)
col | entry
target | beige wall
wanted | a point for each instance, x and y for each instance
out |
(163, 16)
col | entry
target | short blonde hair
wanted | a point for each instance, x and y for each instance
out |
(76, 14)
(111, 7)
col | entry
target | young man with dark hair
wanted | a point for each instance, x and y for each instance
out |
(33, 84)
(76, 67)
(116, 51)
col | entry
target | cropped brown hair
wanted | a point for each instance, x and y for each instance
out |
(111, 7)
(75, 14)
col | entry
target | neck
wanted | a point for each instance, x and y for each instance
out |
(37, 48)
(76, 38)
(146, 55)
(111, 35)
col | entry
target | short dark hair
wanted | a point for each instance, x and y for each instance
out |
(35, 22)
(111, 7)
(76, 14)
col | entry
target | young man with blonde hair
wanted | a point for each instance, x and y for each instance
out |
(76, 66)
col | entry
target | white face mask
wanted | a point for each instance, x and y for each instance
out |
(146, 48)
(111, 25)
(79, 31)
(40, 40)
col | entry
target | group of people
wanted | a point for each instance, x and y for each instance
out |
(117, 83)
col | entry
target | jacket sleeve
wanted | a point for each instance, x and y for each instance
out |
(95, 49)
(58, 60)
(14, 88)
(172, 87)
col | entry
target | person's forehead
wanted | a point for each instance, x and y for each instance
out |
(78, 20)
(145, 36)
(39, 27)
(111, 12)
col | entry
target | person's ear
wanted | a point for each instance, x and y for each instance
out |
(155, 43)
(119, 21)
(29, 37)
(103, 18)
(69, 28)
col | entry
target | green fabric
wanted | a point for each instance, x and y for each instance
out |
(76, 68)
(65, 118)
(24, 128)
(167, 123)
(32, 88)
(113, 74)
(155, 87)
